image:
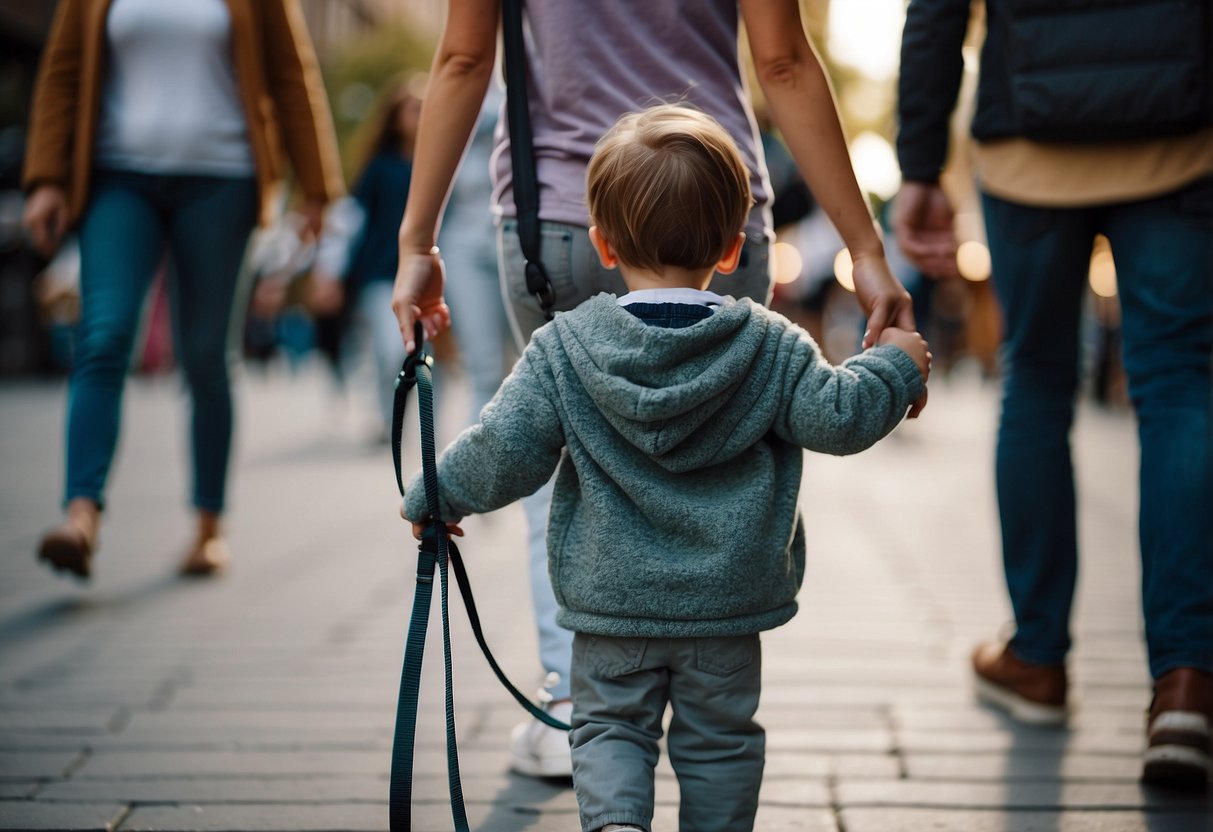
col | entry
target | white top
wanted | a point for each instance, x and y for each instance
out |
(694, 297)
(171, 103)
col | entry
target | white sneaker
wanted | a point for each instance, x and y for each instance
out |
(538, 750)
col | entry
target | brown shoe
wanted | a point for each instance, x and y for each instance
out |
(68, 548)
(1034, 694)
(1180, 730)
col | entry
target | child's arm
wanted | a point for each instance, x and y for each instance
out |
(802, 105)
(508, 455)
(846, 409)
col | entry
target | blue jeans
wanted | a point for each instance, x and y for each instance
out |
(576, 275)
(1163, 249)
(130, 220)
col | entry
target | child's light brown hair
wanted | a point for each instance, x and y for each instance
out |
(668, 187)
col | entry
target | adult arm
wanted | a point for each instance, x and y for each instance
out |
(931, 72)
(459, 77)
(48, 155)
(293, 77)
(802, 105)
(509, 454)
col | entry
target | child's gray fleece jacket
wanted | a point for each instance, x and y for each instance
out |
(679, 454)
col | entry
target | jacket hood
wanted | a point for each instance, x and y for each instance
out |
(660, 387)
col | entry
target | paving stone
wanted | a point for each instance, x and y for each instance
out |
(79, 817)
(18, 764)
(18, 789)
(1021, 740)
(1015, 795)
(1010, 767)
(941, 820)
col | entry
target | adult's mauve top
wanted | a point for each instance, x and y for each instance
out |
(588, 63)
(280, 88)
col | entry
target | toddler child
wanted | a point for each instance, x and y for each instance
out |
(674, 419)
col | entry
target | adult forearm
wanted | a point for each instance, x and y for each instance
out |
(458, 82)
(802, 105)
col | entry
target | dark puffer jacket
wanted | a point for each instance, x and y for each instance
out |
(1056, 70)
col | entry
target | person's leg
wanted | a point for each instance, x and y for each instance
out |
(576, 276)
(210, 220)
(620, 690)
(375, 307)
(1040, 258)
(1164, 264)
(478, 318)
(716, 748)
(121, 244)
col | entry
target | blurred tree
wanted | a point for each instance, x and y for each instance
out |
(358, 69)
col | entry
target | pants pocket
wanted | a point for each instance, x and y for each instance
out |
(723, 656)
(612, 657)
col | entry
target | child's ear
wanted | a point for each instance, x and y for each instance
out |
(606, 255)
(732, 256)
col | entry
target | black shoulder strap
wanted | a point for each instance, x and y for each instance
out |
(522, 156)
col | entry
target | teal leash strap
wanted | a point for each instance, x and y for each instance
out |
(400, 790)
(436, 552)
(437, 531)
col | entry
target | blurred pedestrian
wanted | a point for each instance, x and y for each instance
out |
(584, 70)
(1091, 119)
(675, 419)
(380, 192)
(165, 125)
(469, 250)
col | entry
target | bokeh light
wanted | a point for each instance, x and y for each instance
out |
(788, 262)
(1102, 274)
(844, 270)
(973, 261)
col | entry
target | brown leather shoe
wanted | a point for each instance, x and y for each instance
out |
(1180, 730)
(1034, 694)
(68, 548)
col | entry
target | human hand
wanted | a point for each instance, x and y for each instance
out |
(452, 527)
(269, 298)
(312, 211)
(45, 218)
(417, 294)
(917, 348)
(922, 221)
(884, 300)
(325, 296)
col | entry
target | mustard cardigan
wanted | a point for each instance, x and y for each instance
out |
(280, 90)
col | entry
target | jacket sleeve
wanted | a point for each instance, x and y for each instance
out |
(508, 455)
(845, 409)
(295, 84)
(56, 95)
(931, 70)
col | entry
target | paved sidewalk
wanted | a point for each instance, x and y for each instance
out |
(265, 700)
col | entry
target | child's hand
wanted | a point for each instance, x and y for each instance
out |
(452, 528)
(915, 346)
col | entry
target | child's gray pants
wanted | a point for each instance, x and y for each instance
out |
(620, 690)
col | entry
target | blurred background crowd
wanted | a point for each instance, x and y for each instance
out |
(373, 54)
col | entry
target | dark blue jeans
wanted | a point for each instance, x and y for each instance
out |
(131, 219)
(1163, 250)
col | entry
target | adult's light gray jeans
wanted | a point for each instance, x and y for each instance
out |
(572, 266)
